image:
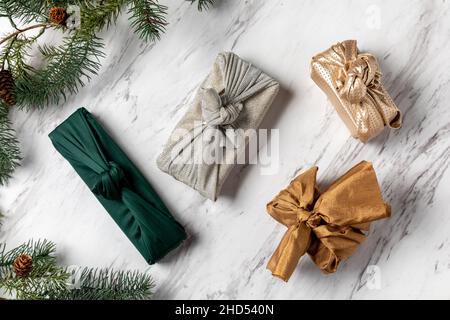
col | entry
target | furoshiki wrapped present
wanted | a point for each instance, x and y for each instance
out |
(119, 185)
(329, 226)
(234, 97)
(352, 82)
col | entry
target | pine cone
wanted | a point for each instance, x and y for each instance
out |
(7, 87)
(57, 15)
(23, 265)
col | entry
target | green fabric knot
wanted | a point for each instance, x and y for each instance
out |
(110, 182)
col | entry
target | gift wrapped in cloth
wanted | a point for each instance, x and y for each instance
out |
(119, 185)
(352, 82)
(329, 226)
(234, 97)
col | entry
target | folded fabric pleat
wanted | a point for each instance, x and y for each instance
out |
(118, 185)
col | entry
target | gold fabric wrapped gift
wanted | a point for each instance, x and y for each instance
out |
(328, 226)
(352, 82)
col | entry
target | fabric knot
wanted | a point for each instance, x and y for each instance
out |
(314, 221)
(358, 77)
(216, 111)
(109, 183)
(303, 215)
(230, 113)
(311, 219)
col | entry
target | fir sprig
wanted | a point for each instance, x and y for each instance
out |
(106, 284)
(15, 55)
(202, 4)
(25, 11)
(47, 280)
(68, 67)
(95, 16)
(42, 249)
(9, 146)
(148, 18)
(45, 276)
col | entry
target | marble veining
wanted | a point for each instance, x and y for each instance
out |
(142, 91)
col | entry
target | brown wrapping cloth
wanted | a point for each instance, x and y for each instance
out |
(328, 226)
(352, 82)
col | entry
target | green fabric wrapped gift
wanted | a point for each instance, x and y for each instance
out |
(118, 185)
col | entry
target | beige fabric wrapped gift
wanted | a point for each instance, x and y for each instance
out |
(235, 95)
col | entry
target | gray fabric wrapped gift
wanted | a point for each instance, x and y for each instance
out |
(235, 95)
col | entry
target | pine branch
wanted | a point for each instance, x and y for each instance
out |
(107, 284)
(42, 249)
(45, 277)
(77, 59)
(25, 11)
(97, 15)
(15, 55)
(148, 18)
(49, 281)
(16, 33)
(202, 4)
(68, 66)
(9, 146)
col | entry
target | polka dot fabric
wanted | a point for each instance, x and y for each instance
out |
(352, 82)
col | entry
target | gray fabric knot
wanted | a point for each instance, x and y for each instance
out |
(216, 111)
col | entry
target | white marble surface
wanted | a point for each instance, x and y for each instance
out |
(141, 92)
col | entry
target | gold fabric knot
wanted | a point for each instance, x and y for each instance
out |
(352, 82)
(358, 78)
(328, 226)
(311, 219)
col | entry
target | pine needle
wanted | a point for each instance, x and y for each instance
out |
(48, 281)
(9, 146)
(203, 4)
(106, 284)
(148, 18)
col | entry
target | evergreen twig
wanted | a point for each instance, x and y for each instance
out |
(67, 67)
(96, 16)
(16, 33)
(202, 4)
(47, 280)
(26, 11)
(148, 18)
(106, 284)
(45, 276)
(9, 146)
